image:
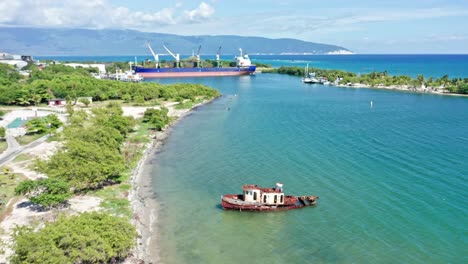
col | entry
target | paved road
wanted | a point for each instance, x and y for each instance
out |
(12, 143)
(14, 148)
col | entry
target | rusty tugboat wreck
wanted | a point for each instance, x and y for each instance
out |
(255, 198)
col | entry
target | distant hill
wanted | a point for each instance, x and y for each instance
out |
(42, 41)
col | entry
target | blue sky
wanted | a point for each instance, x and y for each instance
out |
(412, 26)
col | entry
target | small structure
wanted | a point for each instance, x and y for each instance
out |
(57, 102)
(255, 198)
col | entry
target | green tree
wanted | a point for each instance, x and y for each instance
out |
(37, 126)
(43, 125)
(85, 101)
(103, 136)
(2, 132)
(85, 238)
(84, 165)
(44, 192)
(157, 118)
(53, 122)
(420, 80)
(70, 109)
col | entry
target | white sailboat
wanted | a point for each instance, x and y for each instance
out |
(306, 78)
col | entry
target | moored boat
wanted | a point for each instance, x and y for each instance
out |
(306, 78)
(256, 198)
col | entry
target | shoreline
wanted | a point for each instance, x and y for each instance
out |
(141, 195)
(402, 88)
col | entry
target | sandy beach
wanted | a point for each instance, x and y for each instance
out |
(404, 88)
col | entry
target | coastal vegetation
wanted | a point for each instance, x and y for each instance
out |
(60, 81)
(156, 118)
(8, 183)
(90, 157)
(99, 147)
(46, 192)
(43, 125)
(85, 238)
(376, 79)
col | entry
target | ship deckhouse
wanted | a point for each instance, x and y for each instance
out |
(268, 196)
(243, 60)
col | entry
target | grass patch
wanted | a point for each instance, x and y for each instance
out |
(96, 104)
(185, 105)
(55, 137)
(115, 200)
(3, 145)
(125, 187)
(22, 157)
(8, 183)
(136, 144)
(26, 139)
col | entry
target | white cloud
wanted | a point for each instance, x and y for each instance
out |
(203, 12)
(96, 14)
(400, 15)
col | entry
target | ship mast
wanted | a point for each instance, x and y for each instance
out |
(156, 56)
(217, 57)
(198, 57)
(176, 57)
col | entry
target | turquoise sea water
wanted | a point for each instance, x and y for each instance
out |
(392, 179)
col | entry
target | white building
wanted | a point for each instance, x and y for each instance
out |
(101, 67)
(18, 61)
(267, 196)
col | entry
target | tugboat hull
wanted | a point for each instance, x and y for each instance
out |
(235, 202)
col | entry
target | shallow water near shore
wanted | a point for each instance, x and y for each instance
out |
(392, 179)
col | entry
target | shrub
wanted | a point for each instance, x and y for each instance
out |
(44, 192)
(158, 119)
(85, 238)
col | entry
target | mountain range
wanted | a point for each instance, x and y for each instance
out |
(63, 41)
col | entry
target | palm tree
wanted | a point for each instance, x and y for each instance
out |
(420, 80)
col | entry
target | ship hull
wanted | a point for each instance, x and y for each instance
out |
(193, 72)
(234, 202)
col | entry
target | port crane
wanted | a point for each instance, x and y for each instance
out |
(156, 56)
(176, 57)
